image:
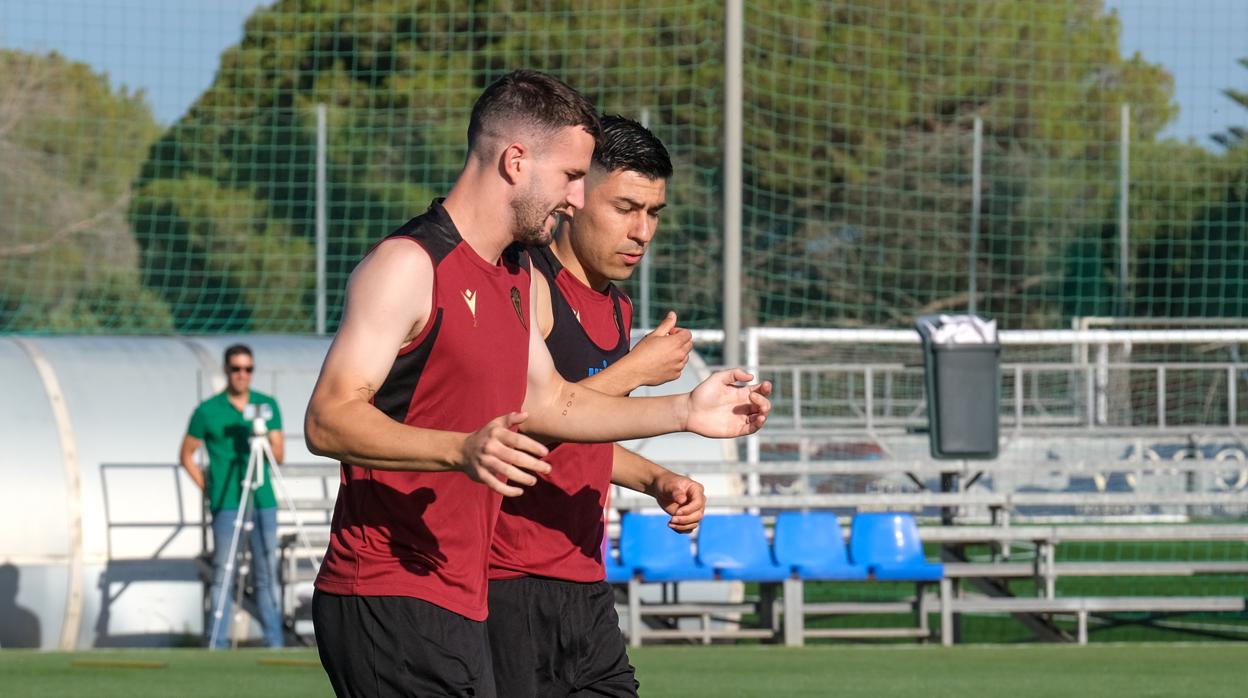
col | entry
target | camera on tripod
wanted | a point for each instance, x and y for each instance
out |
(259, 416)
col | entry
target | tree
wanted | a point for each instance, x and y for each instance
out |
(1235, 136)
(859, 158)
(399, 82)
(857, 142)
(1195, 267)
(71, 144)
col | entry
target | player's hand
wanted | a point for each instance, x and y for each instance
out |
(683, 499)
(496, 454)
(661, 355)
(723, 407)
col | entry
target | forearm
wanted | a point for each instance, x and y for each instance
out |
(617, 380)
(193, 470)
(574, 412)
(277, 442)
(186, 456)
(634, 471)
(357, 433)
(676, 494)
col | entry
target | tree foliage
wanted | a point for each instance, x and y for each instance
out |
(858, 141)
(71, 144)
(860, 127)
(1197, 268)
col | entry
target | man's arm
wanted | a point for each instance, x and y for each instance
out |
(389, 300)
(277, 441)
(277, 437)
(560, 411)
(186, 456)
(678, 495)
(658, 358)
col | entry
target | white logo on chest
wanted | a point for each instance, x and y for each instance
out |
(470, 297)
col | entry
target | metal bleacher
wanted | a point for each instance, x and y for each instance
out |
(1107, 437)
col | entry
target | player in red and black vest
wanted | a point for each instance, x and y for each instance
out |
(552, 624)
(437, 373)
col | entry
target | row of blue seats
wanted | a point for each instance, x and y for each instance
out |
(883, 546)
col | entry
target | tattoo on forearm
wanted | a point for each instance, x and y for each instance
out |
(568, 405)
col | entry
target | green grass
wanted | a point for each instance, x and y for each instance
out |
(1205, 669)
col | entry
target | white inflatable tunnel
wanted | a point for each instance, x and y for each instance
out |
(99, 528)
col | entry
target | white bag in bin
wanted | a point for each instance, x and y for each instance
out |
(960, 329)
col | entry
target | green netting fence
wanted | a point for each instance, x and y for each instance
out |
(860, 160)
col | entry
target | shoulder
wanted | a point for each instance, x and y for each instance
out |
(393, 267)
(259, 397)
(390, 292)
(433, 231)
(399, 250)
(211, 403)
(206, 414)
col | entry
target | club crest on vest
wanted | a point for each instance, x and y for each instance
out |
(515, 303)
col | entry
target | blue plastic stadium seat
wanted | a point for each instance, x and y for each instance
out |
(888, 544)
(616, 572)
(735, 546)
(813, 546)
(658, 553)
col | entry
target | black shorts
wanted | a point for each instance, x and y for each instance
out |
(554, 638)
(379, 646)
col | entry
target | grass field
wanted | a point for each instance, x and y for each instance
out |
(1017, 671)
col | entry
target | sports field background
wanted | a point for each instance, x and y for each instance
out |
(1022, 671)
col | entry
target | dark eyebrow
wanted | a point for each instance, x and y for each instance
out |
(638, 204)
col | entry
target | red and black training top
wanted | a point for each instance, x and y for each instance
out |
(555, 528)
(427, 535)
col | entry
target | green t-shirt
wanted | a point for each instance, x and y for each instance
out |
(225, 434)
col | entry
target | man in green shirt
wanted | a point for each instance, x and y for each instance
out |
(219, 425)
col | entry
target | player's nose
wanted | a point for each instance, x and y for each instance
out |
(643, 231)
(576, 193)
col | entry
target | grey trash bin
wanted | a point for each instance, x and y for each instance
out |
(963, 383)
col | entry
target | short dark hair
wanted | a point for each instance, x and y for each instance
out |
(627, 145)
(236, 349)
(530, 98)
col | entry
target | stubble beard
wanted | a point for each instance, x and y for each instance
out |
(530, 218)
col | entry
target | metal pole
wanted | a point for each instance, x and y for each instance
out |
(753, 447)
(977, 164)
(734, 26)
(1124, 180)
(321, 244)
(646, 269)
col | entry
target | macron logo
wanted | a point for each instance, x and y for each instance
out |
(470, 297)
(593, 370)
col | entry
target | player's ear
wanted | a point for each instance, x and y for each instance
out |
(513, 163)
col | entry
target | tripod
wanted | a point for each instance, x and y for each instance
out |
(260, 459)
